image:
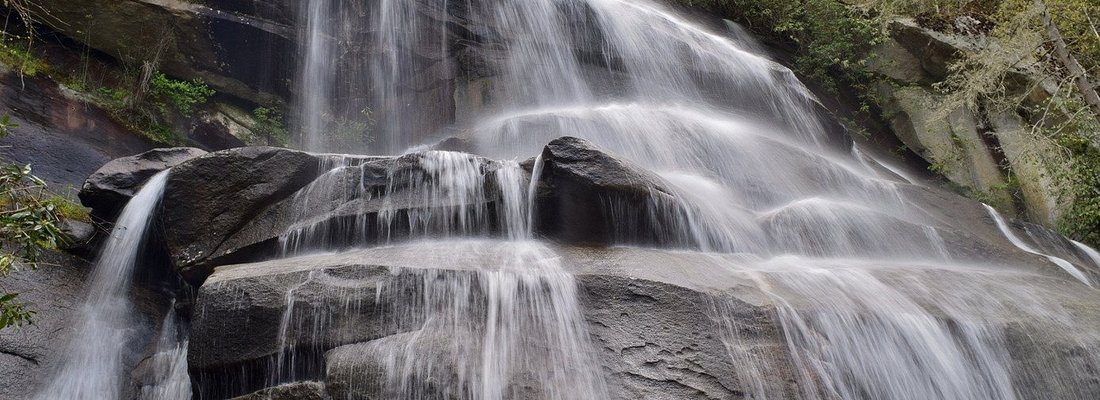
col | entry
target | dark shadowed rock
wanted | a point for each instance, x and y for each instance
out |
(581, 188)
(211, 197)
(109, 188)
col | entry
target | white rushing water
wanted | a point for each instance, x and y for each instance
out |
(753, 168)
(92, 366)
(169, 363)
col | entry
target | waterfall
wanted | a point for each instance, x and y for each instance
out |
(170, 378)
(877, 296)
(92, 367)
(318, 74)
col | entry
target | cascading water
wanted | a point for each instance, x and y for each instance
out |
(1016, 241)
(848, 259)
(93, 364)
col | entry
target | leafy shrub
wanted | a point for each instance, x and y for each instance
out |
(183, 96)
(269, 125)
(29, 219)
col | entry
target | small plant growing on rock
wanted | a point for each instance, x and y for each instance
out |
(181, 96)
(269, 125)
(28, 226)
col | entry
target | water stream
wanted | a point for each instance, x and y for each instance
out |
(106, 327)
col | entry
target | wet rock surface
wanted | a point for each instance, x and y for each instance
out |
(62, 137)
(663, 323)
(108, 189)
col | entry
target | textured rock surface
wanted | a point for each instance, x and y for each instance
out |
(290, 391)
(62, 137)
(210, 197)
(219, 42)
(666, 324)
(27, 354)
(108, 189)
(581, 188)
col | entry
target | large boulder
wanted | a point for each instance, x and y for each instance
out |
(109, 189)
(209, 198)
(642, 307)
(662, 324)
(581, 187)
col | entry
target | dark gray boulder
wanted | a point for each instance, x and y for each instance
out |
(582, 187)
(209, 198)
(107, 190)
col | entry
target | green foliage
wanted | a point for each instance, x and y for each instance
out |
(833, 40)
(12, 312)
(181, 96)
(6, 125)
(1078, 136)
(29, 218)
(28, 226)
(269, 125)
(14, 52)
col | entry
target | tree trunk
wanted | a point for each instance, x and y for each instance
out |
(1084, 84)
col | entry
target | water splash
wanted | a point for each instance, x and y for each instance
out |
(170, 380)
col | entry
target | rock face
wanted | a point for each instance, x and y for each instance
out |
(109, 188)
(662, 324)
(974, 149)
(210, 197)
(27, 353)
(61, 136)
(219, 42)
(647, 322)
(951, 142)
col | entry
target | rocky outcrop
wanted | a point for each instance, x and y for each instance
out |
(642, 306)
(974, 149)
(107, 190)
(211, 197)
(61, 136)
(218, 42)
(582, 187)
(241, 204)
(663, 323)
